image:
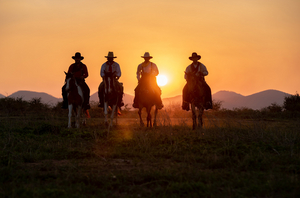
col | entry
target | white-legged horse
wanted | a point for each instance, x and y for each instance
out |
(110, 97)
(75, 100)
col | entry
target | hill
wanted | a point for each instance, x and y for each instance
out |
(2, 96)
(29, 95)
(258, 100)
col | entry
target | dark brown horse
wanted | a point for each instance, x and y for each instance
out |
(75, 100)
(196, 95)
(147, 99)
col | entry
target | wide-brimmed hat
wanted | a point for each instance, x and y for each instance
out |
(110, 55)
(147, 55)
(78, 55)
(194, 55)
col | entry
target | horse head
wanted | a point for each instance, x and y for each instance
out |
(194, 85)
(147, 90)
(110, 84)
(70, 81)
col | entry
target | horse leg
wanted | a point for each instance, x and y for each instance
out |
(149, 121)
(116, 111)
(85, 114)
(140, 114)
(112, 115)
(105, 112)
(200, 120)
(78, 117)
(154, 120)
(194, 116)
(70, 115)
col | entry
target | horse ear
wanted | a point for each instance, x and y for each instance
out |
(65, 72)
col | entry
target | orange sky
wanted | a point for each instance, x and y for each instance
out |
(247, 46)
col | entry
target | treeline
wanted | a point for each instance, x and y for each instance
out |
(289, 109)
(19, 107)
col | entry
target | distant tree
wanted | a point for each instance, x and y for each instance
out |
(275, 108)
(217, 105)
(292, 103)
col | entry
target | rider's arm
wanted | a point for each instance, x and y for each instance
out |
(203, 70)
(70, 69)
(187, 70)
(154, 69)
(102, 70)
(138, 72)
(85, 73)
(118, 70)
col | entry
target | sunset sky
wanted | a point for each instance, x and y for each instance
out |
(248, 46)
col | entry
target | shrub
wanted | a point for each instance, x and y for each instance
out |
(292, 103)
(217, 105)
(273, 108)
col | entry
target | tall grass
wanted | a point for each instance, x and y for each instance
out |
(241, 153)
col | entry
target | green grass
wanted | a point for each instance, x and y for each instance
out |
(232, 156)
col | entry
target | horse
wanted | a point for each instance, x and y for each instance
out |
(196, 95)
(110, 96)
(147, 98)
(75, 100)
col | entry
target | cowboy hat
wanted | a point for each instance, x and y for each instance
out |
(110, 55)
(147, 55)
(194, 55)
(78, 55)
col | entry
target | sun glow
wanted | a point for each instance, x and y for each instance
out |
(161, 80)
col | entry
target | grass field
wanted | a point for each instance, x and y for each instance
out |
(233, 155)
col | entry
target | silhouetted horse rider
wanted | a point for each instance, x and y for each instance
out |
(200, 71)
(110, 66)
(80, 72)
(146, 75)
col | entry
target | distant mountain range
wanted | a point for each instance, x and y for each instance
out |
(258, 100)
(229, 99)
(29, 95)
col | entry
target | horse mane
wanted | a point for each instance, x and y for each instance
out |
(75, 94)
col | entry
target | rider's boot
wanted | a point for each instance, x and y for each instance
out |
(65, 99)
(159, 103)
(120, 99)
(185, 106)
(87, 106)
(100, 95)
(135, 101)
(135, 104)
(64, 105)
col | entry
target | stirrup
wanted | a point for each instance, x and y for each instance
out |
(160, 106)
(185, 106)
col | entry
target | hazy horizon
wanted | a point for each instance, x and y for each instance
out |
(92, 93)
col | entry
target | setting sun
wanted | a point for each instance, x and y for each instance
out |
(161, 80)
